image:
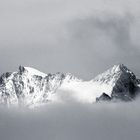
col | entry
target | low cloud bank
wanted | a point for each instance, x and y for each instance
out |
(72, 121)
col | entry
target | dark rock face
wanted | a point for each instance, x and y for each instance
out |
(126, 86)
(4, 76)
(103, 97)
(21, 69)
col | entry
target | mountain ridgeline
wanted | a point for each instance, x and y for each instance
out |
(124, 82)
(31, 88)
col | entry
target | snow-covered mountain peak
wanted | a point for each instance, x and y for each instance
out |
(31, 71)
(121, 68)
(30, 87)
(110, 76)
(122, 82)
(113, 74)
(70, 77)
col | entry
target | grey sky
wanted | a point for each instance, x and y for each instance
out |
(84, 37)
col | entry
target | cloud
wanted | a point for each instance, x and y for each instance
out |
(72, 121)
(84, 37)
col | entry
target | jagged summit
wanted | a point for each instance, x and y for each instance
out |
(122, 80)
(31, 71)
(124, 69)
(113, 74)
(30, 87)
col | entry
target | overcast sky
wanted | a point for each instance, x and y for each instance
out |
(84, 37)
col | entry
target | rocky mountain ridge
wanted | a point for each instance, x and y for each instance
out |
(30, 87)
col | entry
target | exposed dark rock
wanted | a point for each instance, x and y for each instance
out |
(103, 97)
(21, 69)
(126, 86)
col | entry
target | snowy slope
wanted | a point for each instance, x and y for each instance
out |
(118, 83)
(32, 71)
(30, 87)
(122, 81)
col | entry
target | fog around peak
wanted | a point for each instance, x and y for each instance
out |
(72, 120)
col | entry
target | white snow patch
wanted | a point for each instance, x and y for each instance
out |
(33, 71)
(84, 92)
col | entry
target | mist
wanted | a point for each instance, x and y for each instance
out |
(108, 121)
